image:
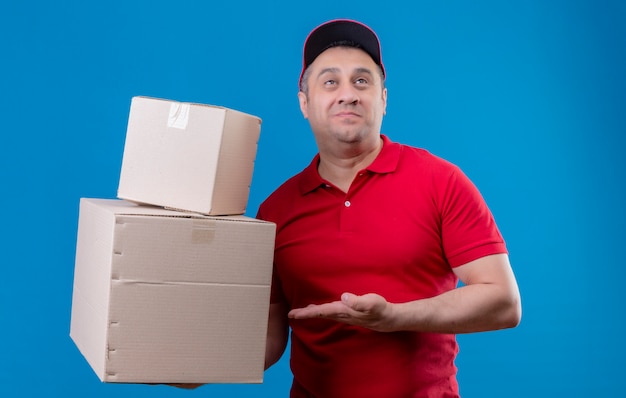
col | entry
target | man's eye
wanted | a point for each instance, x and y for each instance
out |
(330, 82)
(361, 81)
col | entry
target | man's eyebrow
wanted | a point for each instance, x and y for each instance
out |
(336, 70)
(361, 71)
(328, 70)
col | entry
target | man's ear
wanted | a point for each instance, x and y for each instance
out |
(303, 103)
(384, 101)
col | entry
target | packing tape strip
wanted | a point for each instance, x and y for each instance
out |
(203, 231)
(179, 115)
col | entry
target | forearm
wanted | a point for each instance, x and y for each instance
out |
(472, 308)
(277, 334)
(489, 300)
(273, 351)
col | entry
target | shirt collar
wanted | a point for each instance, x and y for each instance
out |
(386, 162)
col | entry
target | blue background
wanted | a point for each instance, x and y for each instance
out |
(529, 98)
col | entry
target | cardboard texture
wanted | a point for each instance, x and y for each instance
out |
(191, 157)
(162, 296)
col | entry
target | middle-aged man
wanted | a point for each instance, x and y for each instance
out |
(372, 239)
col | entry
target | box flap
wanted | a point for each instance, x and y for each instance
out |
(128, 208)
(199, 104)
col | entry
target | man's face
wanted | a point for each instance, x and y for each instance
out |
(346, 100)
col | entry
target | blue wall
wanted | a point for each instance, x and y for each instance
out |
(529, 98)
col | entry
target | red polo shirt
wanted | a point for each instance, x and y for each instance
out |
(406, 220)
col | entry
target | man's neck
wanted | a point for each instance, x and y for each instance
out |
(341, 168)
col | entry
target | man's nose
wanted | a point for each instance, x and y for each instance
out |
(348, 95)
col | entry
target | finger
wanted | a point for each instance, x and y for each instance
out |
(186, 386)
(328, 310)
(354, 302)
(310, 311)
(302, 313)
(348, 299)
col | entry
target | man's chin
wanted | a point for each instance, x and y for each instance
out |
(350, 135)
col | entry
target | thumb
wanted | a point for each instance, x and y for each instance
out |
(349, 299)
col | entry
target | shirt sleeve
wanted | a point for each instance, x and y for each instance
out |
(469, 230)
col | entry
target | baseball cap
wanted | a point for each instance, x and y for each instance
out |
(325, 35)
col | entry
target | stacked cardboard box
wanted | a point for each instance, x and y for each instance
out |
(171, 281)
(185, 156)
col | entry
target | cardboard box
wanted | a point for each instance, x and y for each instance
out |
(191, 157)
(169, 297)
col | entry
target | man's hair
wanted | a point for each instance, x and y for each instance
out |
(304, 85)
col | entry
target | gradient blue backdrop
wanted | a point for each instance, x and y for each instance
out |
(529, 98)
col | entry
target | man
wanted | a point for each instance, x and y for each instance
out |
(372, 238)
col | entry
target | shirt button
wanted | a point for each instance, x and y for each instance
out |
(347, 203)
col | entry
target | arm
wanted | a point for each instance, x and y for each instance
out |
(489, 300)
(277, 333)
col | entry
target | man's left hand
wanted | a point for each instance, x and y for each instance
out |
(371, 311)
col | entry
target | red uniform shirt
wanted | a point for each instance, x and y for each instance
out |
(406, 220)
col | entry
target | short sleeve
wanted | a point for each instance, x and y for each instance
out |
(469, 230)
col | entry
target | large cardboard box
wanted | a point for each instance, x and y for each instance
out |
(163, 296)
(191, 157)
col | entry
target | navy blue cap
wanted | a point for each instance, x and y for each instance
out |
(329, 33)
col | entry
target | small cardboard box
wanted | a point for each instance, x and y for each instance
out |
(191, 157)
(163, 296)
